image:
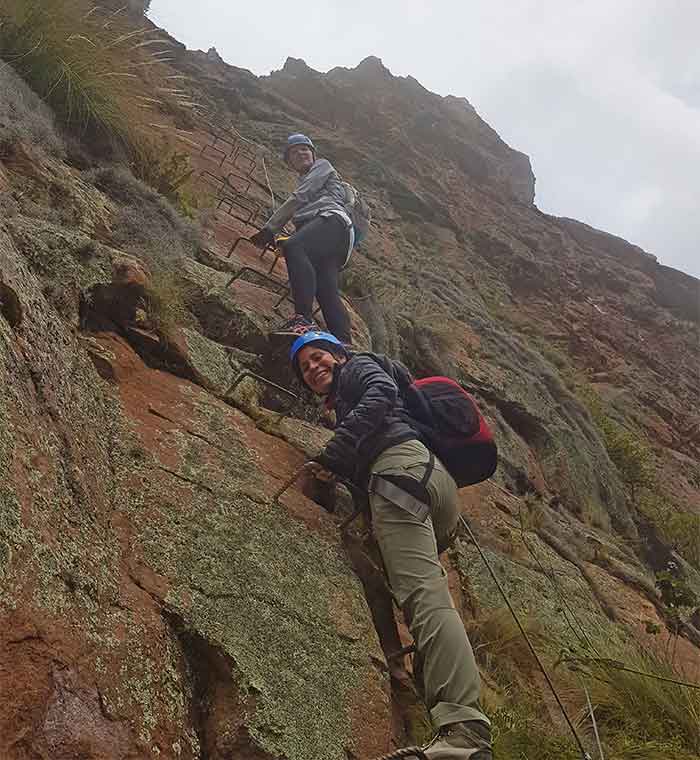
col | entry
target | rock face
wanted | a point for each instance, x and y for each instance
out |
(155, 600)
(144, 567)
(138, 6)
(405, 125)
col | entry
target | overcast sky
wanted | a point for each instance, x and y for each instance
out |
(603, 95)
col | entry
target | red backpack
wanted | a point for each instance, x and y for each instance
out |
(453, 428)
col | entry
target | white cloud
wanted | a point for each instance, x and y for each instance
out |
(604, 97)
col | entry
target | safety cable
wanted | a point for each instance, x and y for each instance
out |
(593, 720)
(611, 663)
(557, 590)
(615, 665)
(584, 754)
(269, 186)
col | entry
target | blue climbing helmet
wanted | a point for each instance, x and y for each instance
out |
(298, 139)
(324, 340)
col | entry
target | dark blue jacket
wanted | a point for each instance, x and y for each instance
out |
(370, 415)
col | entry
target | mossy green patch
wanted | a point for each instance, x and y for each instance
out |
(255, 584)
(210, 359)
(560, 597)
(12, 534)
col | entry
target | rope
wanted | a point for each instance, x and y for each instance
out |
(542, 668)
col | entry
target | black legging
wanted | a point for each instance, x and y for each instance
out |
(315, 255)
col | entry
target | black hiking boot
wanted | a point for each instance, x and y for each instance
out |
(468, 740)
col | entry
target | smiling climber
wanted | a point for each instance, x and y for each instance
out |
(322, 243)
(414, 512)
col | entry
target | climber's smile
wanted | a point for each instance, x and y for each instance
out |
(301, 158)
(316, 366)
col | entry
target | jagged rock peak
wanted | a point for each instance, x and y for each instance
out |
(296, 66)
(138, 7)
(370, 68)
(373, 65)
(453, 100)
(213, 55)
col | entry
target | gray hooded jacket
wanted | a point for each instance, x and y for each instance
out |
(319, 192)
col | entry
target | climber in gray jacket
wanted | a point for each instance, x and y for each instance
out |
(322, 243)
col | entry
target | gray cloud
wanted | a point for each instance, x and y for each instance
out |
(604, 97)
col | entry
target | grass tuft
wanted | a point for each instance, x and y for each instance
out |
(146, 224)
(24, 116)
(165, 302)
(639, 714)
(85, 63)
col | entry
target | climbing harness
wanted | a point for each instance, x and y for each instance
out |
(405, 492)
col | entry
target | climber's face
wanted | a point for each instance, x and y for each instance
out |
(300, 158)
(316, 367)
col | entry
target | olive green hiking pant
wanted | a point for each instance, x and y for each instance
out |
(409, 550)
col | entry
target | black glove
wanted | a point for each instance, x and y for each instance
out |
(262, 238)
(320, 470)
(324, 493)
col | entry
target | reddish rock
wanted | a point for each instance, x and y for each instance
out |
(129, 272)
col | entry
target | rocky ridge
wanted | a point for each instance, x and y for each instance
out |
(155, 598)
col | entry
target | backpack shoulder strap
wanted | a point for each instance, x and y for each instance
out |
(399, 373)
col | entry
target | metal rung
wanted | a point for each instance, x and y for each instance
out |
(287, 296)
(270, 247)
(208, 176)
(259, 378)
(232, 202)
(236, 198)
(246, 182)
(216, 150)
(221, 133)
(250, 169)
(233, 247)
(277, 257)
(262, 276)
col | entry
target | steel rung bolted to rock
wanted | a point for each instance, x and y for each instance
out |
(270, 280)
(260, 378)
